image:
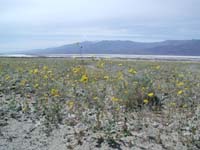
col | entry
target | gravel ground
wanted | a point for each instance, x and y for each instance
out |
(147, 130)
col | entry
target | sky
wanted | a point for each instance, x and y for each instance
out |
(35, 24)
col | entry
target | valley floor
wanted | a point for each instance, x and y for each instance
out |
(59, 104)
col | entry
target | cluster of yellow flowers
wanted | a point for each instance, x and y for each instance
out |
(23, 82)
(34, 71)
(101, 64)
(120, 76)
(180, 92)
(84, 78)
(55, 93)
(132, 71)
(7, 77)
(146, 101)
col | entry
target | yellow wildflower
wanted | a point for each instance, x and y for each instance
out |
(76, 69)
(23, 82)
(126, 92)
(173, 104)
(143, 88)
(45, 95)
(119, 64)
(70, 104)
(158, 67)
(151, 94)
(100, 64)
(106, 77)
(184, 106)
(114, 99)
(55, 93)
(7, 78)
(181, 75)
(35, 71)
(49, 72)
(45, 77)
(120, 76)
(117, 108)
(36, 85)
(180, 84)
(180, 92)
(31, 71)
(146, 101)
(25, 107)
(45, 68)
(132, 71)
(84, 78)
(28, 96)
(95, 98)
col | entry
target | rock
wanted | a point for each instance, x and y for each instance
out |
(1, 134)
(18, 108)
(99, 142)
(3, 123)
(2, 113)
(81, 127)
(152, 134)
(155, 125)
(15, 115)
(187, 133)
(13, 87)
(197, 144)
(113, 144)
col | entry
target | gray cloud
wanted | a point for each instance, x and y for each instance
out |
(45, 23)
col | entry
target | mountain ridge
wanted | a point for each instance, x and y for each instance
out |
(168, 47)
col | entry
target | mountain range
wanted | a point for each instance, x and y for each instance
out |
(168, 47)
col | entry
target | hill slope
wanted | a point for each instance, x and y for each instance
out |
(169, 47)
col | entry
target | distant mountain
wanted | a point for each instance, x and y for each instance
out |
(169, 47)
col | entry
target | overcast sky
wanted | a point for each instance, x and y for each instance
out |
(32, 24)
